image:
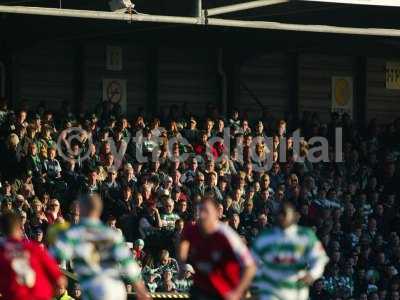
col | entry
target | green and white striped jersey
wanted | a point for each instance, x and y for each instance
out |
(168, 220)
(283, 257)
(96, 250)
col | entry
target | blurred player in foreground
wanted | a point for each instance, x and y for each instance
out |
(100, 257)
(223, 265)
(290, 258)
(27, 270)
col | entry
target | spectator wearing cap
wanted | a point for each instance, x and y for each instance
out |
(138, 252)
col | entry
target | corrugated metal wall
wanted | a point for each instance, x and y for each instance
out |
(315, 74)
(133, 70)
(187, 76)
(383, 104)
(46, 74)
(266, 76)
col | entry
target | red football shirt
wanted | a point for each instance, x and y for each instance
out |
(27, 271)
(218, 258)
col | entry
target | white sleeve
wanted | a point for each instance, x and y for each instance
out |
(317, 260)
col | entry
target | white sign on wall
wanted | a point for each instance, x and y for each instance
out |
(342, 95)
(114, 90)
(114, 58)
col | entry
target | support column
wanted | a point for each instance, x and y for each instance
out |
(232, 65)
(360, 90)
(293, 86)
(79, 78)
(152, 81)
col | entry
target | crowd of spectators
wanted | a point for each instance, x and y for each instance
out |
(48, 158)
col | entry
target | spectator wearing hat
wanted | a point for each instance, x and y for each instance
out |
(138, 252)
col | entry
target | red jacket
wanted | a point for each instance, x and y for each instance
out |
(201, 149)
(27, 271)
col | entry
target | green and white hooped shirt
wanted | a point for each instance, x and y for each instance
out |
(283, 257)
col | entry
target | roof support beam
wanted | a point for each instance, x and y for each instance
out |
(92, 14)
(242, 6)
(394, 3)
(102, 15)
(305, 28)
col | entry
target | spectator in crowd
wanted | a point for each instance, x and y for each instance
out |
(352, 205)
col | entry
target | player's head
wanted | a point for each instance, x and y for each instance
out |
(91, 205)
(209, 214)
(287, 215)
(11, 225)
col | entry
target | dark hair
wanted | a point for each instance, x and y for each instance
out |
(9, 222)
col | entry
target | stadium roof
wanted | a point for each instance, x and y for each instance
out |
(279, 17)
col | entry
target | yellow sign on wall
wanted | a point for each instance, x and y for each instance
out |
(393, 75)
(342, 95)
